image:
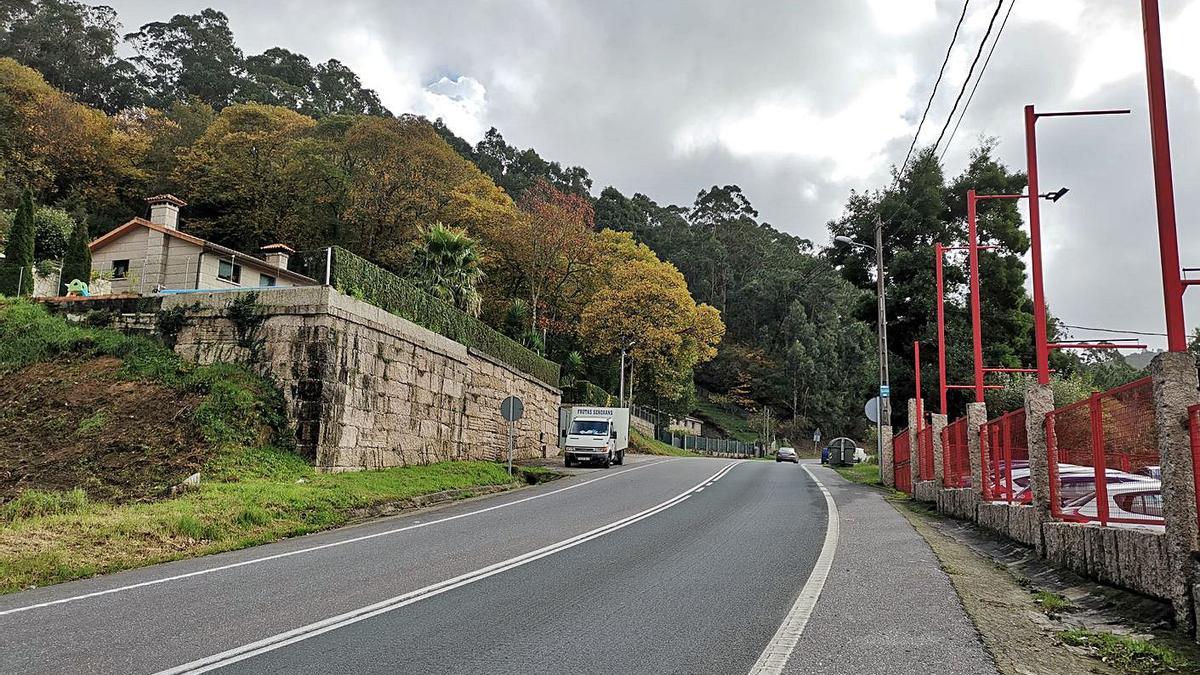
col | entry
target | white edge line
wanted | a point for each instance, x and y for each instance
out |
(310, 549)
(312, 630)
(775, 657)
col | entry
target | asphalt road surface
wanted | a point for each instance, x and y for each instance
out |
(666, 565)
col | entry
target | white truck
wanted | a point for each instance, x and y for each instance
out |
(594, 435)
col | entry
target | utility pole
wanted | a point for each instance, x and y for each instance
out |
(885, 404)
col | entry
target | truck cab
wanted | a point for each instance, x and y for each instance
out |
(595, 436)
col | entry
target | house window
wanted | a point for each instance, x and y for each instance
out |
(266, 280)
(120, 269)
(228, 271)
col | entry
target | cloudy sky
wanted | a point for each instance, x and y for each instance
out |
(796, 101)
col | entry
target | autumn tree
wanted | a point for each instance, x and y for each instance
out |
(646, 311)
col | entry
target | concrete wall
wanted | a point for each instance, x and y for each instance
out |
(367, 389)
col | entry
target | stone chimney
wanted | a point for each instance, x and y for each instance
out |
(164, 210)
(277, 254)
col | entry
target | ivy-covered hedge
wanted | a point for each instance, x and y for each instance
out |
(362, 279)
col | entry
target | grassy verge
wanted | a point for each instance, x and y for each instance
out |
(1130, 655)
(262, 496)
(863, 473)
(735, 426)
(650, 446)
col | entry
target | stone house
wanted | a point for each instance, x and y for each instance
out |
(146, 256)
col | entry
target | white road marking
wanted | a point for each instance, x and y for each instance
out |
(781, 646)
(310, 549)
(295, 635)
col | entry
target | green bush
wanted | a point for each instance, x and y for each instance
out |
(582, 392)
(358, 277)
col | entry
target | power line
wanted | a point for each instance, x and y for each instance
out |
(932, 94)
(1114, 330)
(978, 80)
(970, 72)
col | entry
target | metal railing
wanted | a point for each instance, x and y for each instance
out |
(708, 446)
(1004, 450)
(956, 455)
(925, 453)
(1104, 460)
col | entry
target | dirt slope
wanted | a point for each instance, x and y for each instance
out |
(79, 424)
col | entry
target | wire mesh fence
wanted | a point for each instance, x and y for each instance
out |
(1004, 448)
(956, 455)
(902, 461)
(708, 446)
(925, 453)
(1104, 460)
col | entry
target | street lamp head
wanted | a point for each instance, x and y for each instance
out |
(844, 239)
(1058, 194)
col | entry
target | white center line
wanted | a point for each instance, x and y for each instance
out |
(775, 657)
(312, 630)
(310, 549)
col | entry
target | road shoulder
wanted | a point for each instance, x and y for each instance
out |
(887, 606)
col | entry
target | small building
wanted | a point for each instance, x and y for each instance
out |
(146, 256)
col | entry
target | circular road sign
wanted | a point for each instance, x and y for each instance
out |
(512, 408)
(872, 409)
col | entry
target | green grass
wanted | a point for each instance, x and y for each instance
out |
(862, 473)
(1051, 603)
(53, 537)
(1130, 655)
(93, 422)
(736, 426)
(650, 446)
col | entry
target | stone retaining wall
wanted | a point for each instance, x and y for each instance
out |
(367, 389)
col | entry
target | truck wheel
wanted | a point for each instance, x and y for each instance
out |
(620, 458)
(567, 461)
(607, 461)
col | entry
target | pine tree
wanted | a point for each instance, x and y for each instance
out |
(77, 263)
(16, 270)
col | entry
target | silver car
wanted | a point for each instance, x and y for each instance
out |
(787, 455)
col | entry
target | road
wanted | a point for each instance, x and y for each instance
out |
(666, 565)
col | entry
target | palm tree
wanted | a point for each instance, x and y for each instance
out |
(446, 264)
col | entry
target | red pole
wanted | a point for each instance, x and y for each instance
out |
(1164, 189)
(973, 255)
(941, 324)
(917, 371)
(1035, 249)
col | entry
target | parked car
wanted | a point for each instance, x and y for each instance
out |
(1154, 472)
(1074, 480)
(787, 455)
(1135, 502)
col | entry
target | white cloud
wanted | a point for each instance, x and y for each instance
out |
(851, 139)
(899, 17)
(461, 102)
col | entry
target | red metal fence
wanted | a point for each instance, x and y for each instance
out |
(1004, 450)
(956, 455)
(1103, 458)
(925, 453)
(902, 461)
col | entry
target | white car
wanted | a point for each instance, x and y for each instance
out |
(1132, 503)
(787, 455)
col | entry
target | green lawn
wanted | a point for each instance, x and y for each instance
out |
(262, 496)
(648, 446)
(735, 426)
(863, 473)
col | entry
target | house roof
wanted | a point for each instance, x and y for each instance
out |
(243, 258)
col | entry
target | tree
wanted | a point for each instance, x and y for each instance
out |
(52, 227)
(446, 264)
(615, 211)
(74, 46)
(284, 78)
(517, 170)
(190, 55)
(16, 270)
(77, 262)
(646, 311)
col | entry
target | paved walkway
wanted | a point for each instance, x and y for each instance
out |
(887, 606)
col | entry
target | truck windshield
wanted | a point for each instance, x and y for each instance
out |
(589, 427)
